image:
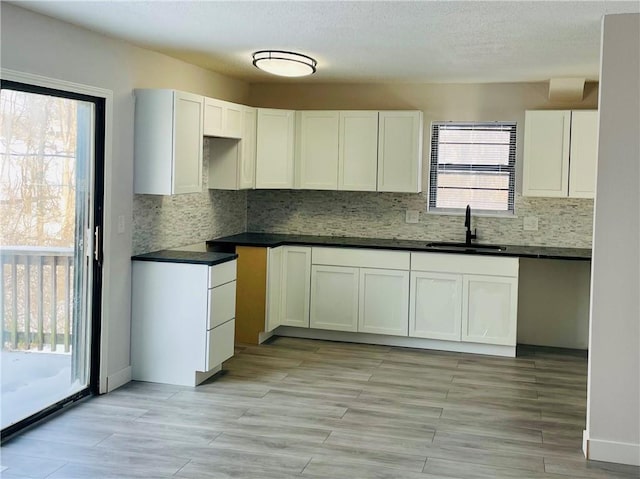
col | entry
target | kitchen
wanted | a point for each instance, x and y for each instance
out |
(173, 221)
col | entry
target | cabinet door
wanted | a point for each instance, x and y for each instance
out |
(247, 171)
(187, 152)
(435, 306)
(384, 302)
(232, 120)
(274, 148)
(400, 151)
(317, 159)
(219, 344)
(358, 151)
(274, 289)
(334, 298)
(584, 154)
(296, 286)
(546, 153)
(213, 117)
(222, 118)
(489, 309)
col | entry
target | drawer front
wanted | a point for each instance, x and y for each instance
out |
(222, 273)
(464, 264)
(361, 258)
(222, 304)
(220, 343)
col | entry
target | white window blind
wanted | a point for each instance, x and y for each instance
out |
(473, 164)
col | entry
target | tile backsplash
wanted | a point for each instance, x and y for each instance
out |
(161, 222)
(561, 221)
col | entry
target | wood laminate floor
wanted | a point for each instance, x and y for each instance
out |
(317, 409)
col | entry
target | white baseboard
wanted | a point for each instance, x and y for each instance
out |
(611, 451)
(119, 378)
(401, 341)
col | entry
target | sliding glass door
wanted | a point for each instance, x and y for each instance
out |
(51, 175)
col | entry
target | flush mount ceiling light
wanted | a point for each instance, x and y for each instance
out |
(282, 63)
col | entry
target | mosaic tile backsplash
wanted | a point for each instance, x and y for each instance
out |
(561, 221)
(161, 222)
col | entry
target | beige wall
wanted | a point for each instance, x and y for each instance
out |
(36, 44)
(562, 222)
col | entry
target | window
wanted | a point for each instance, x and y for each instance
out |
(473, 164)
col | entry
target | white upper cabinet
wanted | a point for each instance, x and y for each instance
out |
(232, 162)
(168, 142)
(546, 153)
(222, 118)
(560, 152)
(358, 151)
(274, 148)
(400, 151)
(317, 150)
(247, 170)
(584, 154)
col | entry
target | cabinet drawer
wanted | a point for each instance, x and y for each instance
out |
(464, 264)
(361, 258)
(222, 273)
(222, 304)
(220, 344)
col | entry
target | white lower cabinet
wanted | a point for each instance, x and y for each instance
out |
(384, 301)
(182, 320)
(441, 297)
(274, 288)
(288, 286)
(296, 286)
(464, 298)
(334, 298)
(436, 305)
(489, 309)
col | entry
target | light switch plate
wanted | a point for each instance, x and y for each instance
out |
(530, 223)
(412, 216)
(121, 224)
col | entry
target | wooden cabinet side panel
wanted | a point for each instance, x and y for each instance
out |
(251, 287)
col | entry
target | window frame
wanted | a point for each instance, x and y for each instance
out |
(434, 171)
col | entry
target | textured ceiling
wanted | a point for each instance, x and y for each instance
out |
(364, 41)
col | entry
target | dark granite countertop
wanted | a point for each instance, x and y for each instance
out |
(273, 240)
(191, 257)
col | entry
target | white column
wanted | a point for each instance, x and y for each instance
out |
(613, 401)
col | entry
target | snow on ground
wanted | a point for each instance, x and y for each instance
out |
(31, 381)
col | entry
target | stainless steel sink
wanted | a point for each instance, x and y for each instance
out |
(465, 247)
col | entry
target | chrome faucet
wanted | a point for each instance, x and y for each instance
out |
(467, 223)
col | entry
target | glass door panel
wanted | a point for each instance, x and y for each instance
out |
(47, 234)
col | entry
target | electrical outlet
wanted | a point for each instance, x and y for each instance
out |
(530, 223)
(121, 225)
(412, 216)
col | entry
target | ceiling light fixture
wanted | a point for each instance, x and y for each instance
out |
(282, 63)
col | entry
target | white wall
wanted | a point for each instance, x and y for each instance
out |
(613, 401)
(40, 45)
